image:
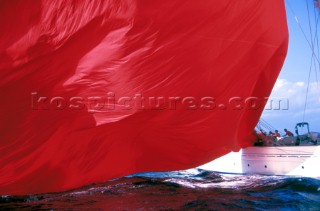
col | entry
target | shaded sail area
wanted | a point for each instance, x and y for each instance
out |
(65, 66)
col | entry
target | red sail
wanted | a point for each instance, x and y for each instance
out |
(95, 90)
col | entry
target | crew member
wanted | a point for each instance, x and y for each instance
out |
(288, 133)
(261, 134)
(276, 134)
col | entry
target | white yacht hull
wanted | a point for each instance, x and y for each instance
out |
(273, 160)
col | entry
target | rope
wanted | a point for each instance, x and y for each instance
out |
(262, 124)
(312, 60)
(304, 34)
(313, 40)
(316, 19)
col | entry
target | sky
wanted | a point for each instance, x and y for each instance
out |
(292, 82)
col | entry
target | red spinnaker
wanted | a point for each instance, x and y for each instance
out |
(94, 90)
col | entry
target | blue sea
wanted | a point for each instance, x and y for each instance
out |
(181, 190)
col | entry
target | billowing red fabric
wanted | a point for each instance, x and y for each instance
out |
(94, 90)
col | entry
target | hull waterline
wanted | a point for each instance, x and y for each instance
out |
(280, 160)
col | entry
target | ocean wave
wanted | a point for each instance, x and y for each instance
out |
(191, 189)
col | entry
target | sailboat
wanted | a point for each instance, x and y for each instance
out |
(298, 155)
(289, 156)
(95, 90)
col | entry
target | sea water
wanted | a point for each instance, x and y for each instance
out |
(181, 190)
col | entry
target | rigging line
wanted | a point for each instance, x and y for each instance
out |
(306, 99)
(304, 34)
(316, 42)
(258, 126)
(314, 56)
(267, 125)
(310, 28)
(262, 125)
(311, 39)
(317, 15)
(312, 60)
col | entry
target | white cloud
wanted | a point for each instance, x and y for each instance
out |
(295, 92)
(301, 84)
(279, 84)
